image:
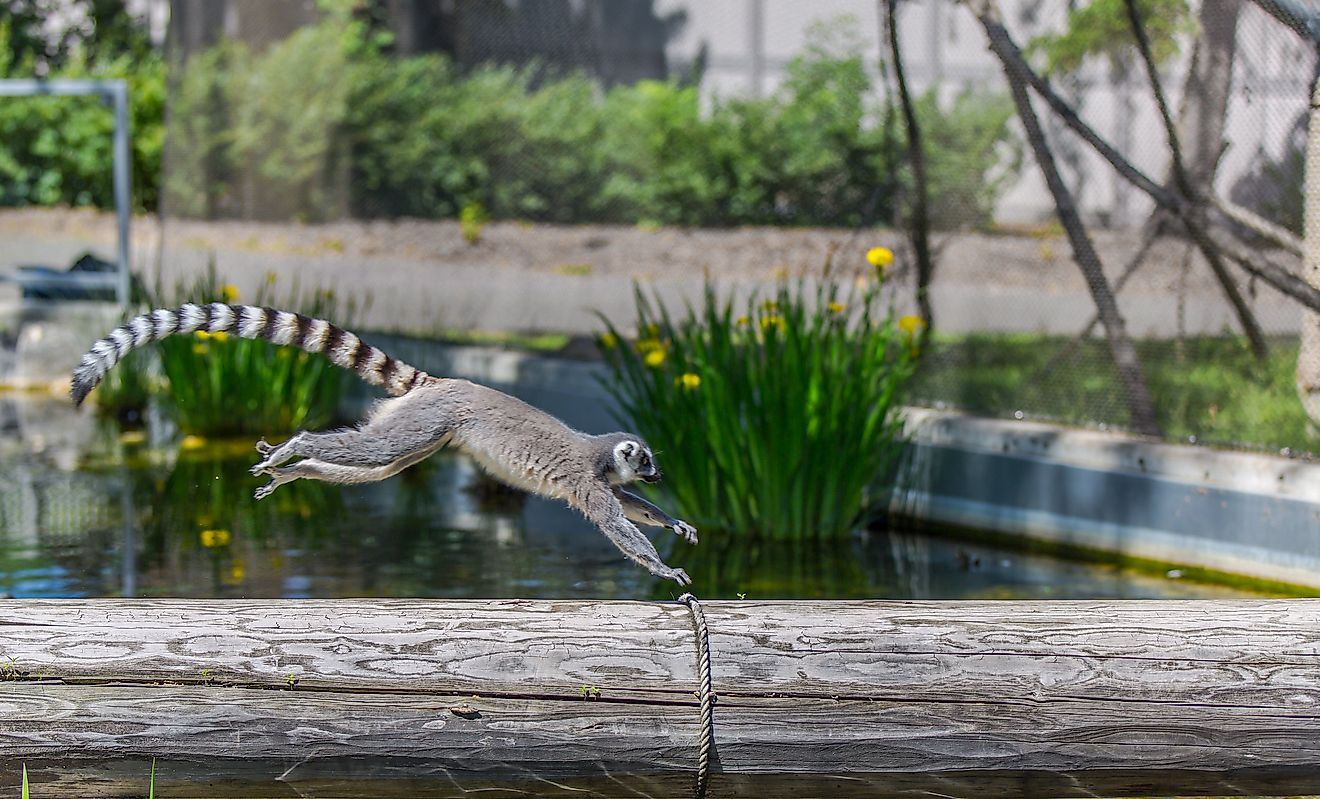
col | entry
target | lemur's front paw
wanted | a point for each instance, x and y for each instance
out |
(260, 469)
(686, 531)
(677, 575)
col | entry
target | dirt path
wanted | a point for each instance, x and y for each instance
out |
(422, 277)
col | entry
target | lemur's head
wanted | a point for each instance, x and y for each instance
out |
(632, 460)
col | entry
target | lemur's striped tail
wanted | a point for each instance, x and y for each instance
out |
(248, 321)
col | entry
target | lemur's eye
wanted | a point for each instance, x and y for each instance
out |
(646, 460)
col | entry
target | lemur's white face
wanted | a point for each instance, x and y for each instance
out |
(633, 461)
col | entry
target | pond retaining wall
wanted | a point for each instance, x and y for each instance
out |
(1243, 514)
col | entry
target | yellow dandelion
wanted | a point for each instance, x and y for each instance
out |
(214, 538)
(229, 293)
(655, 357)
(202, 334)
(742, 321)
(880, 257)
(238, 571)
(835, 308)
(221, 336)
(772, 320)
(199, 349)
(649, 345)
(910, 324)
(608, 341)
(688, 381)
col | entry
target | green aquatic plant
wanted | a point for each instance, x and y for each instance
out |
(778, 419)
(217, 385)
(221, 385)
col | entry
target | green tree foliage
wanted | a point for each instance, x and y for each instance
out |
(1100, 28)
(57, 150)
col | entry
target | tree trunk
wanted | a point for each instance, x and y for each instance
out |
(1132, 381)
(1205, 92)
(919, 223)
(1308, 357)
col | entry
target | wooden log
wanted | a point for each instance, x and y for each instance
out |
(429, 698)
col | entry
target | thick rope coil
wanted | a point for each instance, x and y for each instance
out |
(705, 694)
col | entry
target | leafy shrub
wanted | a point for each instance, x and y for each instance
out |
(775, 422)
(420, 137)
(58, 150)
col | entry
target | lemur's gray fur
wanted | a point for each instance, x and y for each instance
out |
(518, 444)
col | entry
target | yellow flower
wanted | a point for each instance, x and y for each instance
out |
(835, 307)
(229, 293)
(688, 381)
(214, 538)
(742, 321)
(649, 345)
(911, 324)
(769, 306)
(221, 336)
(608, 341)
(192, 442)
(237, 571)
(199, 349)
(772, 320)
(202, 334)
(655, 357)
(880, 257)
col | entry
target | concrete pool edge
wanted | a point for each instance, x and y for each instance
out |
(1235, 514)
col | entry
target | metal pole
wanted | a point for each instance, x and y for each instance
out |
(123, 166)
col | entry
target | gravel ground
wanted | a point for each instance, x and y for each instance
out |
(422, 277)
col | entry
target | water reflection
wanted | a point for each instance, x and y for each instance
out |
(86, 512)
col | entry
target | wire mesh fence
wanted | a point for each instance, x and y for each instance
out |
(516, 165)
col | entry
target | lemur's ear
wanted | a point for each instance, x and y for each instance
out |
(627, 448)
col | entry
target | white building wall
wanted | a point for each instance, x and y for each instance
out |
(944, 45)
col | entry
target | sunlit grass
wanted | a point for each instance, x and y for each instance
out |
(1210, 387)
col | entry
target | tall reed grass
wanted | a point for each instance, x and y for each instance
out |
(777, 419)
(218, 385)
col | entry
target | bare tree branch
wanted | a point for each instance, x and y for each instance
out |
(1257, 224)
(919, 229)
(1192, 214)
(1000, 40)
(1140, 406)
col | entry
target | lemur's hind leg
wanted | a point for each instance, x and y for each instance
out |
(397, 429)
(313, 469)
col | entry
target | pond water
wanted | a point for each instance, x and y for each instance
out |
(86, 511)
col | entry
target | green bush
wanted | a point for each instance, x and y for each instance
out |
(58, 150)
(774, 422)
(420, 137)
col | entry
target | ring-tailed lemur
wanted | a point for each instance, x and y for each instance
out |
(516, 443)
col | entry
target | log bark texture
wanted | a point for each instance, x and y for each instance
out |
(875, 698)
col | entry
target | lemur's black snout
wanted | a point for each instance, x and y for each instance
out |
(651, 478)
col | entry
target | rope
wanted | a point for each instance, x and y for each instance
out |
(705, 694)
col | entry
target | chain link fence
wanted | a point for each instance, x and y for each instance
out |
(516, 166)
